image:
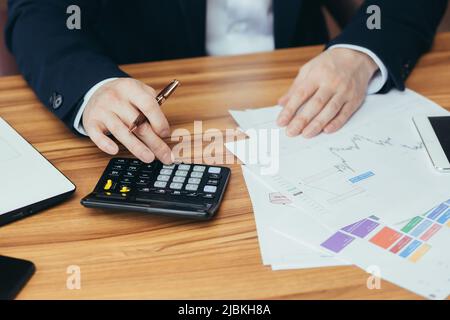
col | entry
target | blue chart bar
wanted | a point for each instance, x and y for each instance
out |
(437, 211)
(410, 249)
(362, 177)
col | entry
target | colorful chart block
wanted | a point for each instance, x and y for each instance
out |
(424, 225)
(401, 244)
(411, 224)
(445, 217)
(430, 232)
(337, 242)
(437, 211)
(419, 253)
(410, 248)
(361, 228)
(386, 237)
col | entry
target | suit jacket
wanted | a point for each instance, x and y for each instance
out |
(61, 65)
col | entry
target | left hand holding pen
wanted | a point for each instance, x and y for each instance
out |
(326, 92)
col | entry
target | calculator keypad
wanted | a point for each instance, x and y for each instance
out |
(125, 178)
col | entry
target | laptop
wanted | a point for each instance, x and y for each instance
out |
(29, 183)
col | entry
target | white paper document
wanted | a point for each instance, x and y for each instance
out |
(366, 195)
(376, 163)
(277, 250)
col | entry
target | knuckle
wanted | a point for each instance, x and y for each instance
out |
(317, 124)
(300, 121)
(334, 106)
(160, 148)
(319, 101)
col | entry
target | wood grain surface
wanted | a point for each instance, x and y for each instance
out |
(128, 255)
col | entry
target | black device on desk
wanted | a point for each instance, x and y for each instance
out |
(180, 190)
(14, 274)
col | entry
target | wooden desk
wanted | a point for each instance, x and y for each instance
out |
(125, 255)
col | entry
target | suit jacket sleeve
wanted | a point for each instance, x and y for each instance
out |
(60, 64)
(407, 31)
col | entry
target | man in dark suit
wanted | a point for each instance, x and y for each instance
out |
(75, 73)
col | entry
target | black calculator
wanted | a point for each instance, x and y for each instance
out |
(181, 190)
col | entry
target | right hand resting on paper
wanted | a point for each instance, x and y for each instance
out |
(114, 107)
(326, 92)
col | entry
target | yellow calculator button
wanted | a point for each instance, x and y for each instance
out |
(108, 185)
(124, 190)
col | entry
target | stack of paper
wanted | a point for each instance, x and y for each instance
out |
(360, 196)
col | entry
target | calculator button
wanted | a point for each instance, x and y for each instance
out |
(176, 186)
(132, 168)
(120, 161)
(160, 191)
(214, 176)
(181, 173)
(208, 196)
(126, 181)
(166, 172)
(144, 175)
(215, 170)
(108, 185)
(118, 167)
(213, 182)
(196, 174)
(211, 189)
(163, 178)
(176, 193)
(128, 174)
(179, 179)
(148, 167)
(142, 182)
(184, 167)
(191, 187)
(160, 184)
(192, 194)
(114, 173)
(194, 180)
(171, 167)
(144, 189)
(199, 168)
(136, 162)
(124, 189)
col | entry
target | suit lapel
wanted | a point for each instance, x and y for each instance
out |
(286, 13)
(194, 12)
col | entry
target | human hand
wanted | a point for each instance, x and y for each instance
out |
(114, 107)
(326, 92)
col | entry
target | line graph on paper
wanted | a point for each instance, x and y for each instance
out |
(357, 143)
(335, 174)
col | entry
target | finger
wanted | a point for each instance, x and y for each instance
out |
(300, 96)
(155, 143)
(102, 141)
(127, 113)
(310, 109)
(129, 140)
(285, 99)
(344, 115)
(144, 100)
(324, 117)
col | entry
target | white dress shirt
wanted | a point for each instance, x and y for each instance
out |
(240, 27)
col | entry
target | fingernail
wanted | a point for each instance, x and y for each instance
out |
(282, 121)
(291, 132)
(167, 158)
(110, 148)
(147, 156)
